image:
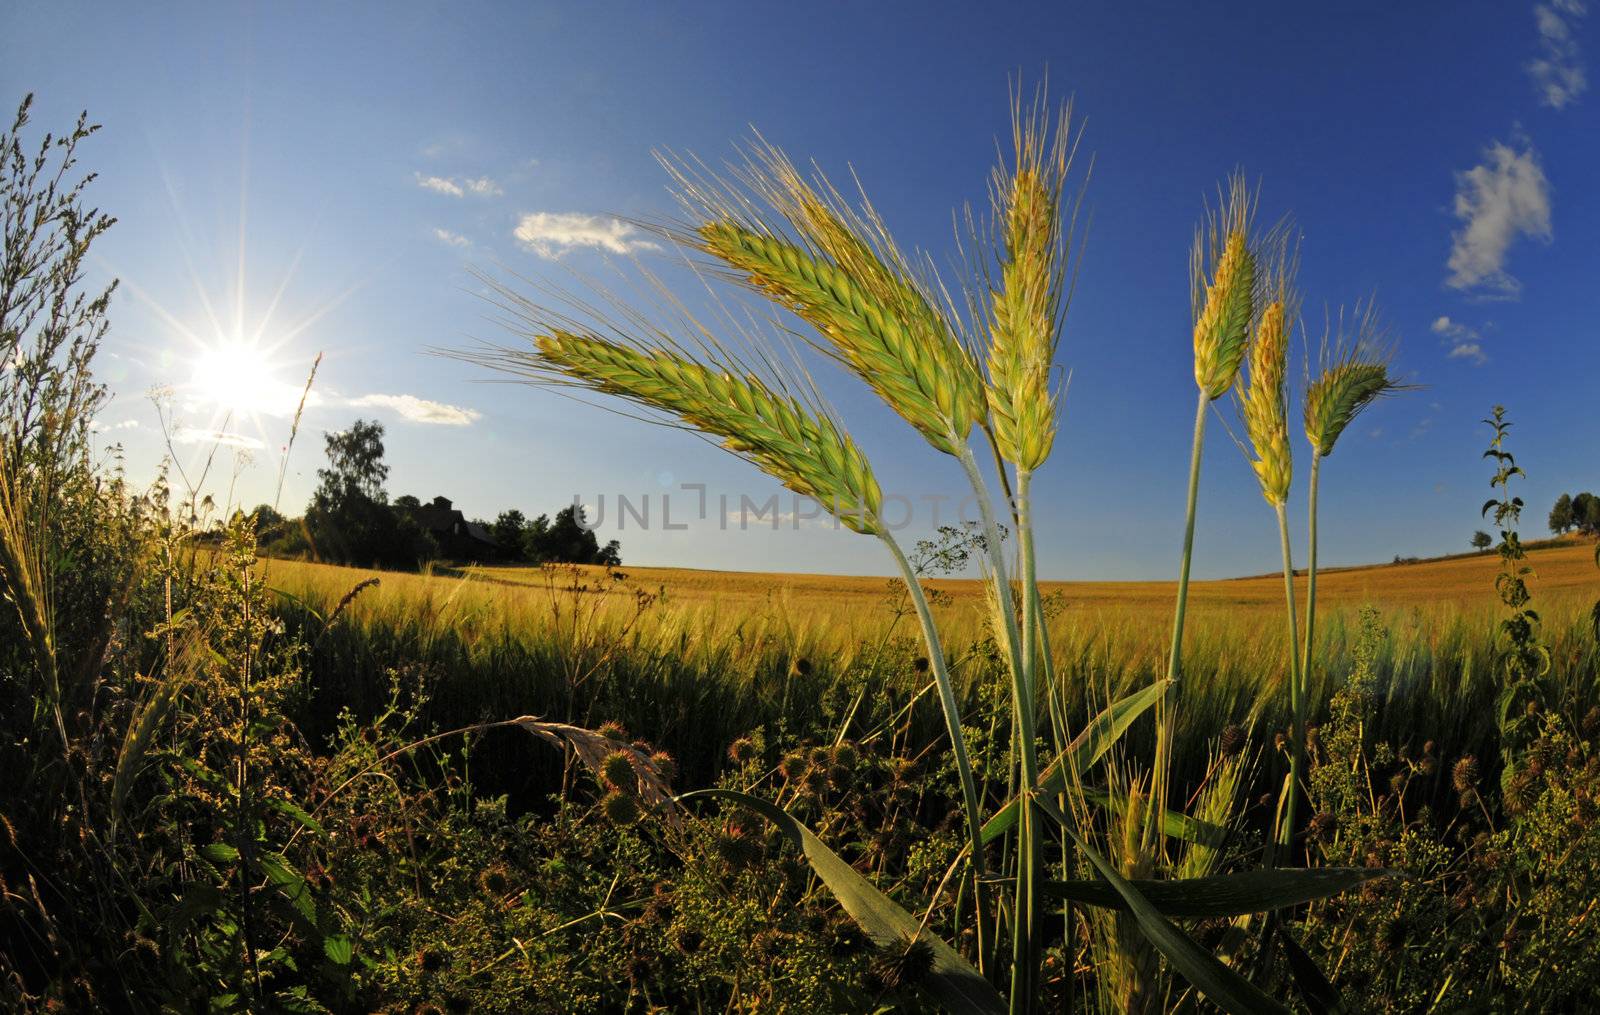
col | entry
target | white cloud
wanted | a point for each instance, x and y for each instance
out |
(1558, 73)
(420, 410)
(1465, 342)
(1505, 197)
(440, 185)
(480, 186)
(450, 239)
(103, 427)
(226, 438)
(551, 234)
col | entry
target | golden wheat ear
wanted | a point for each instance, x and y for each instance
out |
(1028, 299)
(1222, 270)
(1263, 402)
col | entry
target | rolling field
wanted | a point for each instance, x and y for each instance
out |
(1564, 569)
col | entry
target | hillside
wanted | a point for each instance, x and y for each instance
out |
(1561, 566)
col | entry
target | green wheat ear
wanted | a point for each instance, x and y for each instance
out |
(803, 449)
(841, 272)
(1355, 373)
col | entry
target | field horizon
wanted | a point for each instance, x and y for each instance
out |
(1562, 565)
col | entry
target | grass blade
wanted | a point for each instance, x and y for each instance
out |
(1221, 985)
(1255, 891)
(1086, 749)
(952, 981)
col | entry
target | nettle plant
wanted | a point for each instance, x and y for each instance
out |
(970, 374)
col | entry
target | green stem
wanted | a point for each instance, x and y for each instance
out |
(1165, 714)
(958, 743)
(1025, 945)
(1297, 691)
(1311, 568)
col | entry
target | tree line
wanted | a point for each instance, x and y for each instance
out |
(350, 520)
(1576, 511)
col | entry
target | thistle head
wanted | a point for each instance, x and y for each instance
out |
(1222, 271)
(1028, 299)
(1354, 374)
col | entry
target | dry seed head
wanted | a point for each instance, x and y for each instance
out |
(803, 449)
(620, 808)
(1355, 373)
(618, 771)
(1222, 270)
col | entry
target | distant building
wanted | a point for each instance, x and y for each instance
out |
(458, 538)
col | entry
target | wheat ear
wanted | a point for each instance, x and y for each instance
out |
(804, 450)
(1354, 374)
(1025, 308)
(1222, 268)
(921, 373)
(1263, 402)
(840, 271)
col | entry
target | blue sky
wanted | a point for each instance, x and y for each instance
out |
(350, 164)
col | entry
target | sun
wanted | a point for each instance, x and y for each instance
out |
(237, 377)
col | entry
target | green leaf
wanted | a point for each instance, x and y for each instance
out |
(1255, 891)
(1222, 986)
(954, 983)
(298, 814)
(338, 949)
(219, 852)
(281, 873)
(1321, 996)
(1174, 824)
(1086, 748)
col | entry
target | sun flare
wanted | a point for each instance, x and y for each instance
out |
(237, 377)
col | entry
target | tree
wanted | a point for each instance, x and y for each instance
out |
(1591, 516)
(508, 530)
(1482, 540)
(1586, 513)
(1561, 515)
(567, 540)
(349, 519)
(534, 537)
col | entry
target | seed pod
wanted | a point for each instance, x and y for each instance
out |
(620, 808)
(618, 771)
